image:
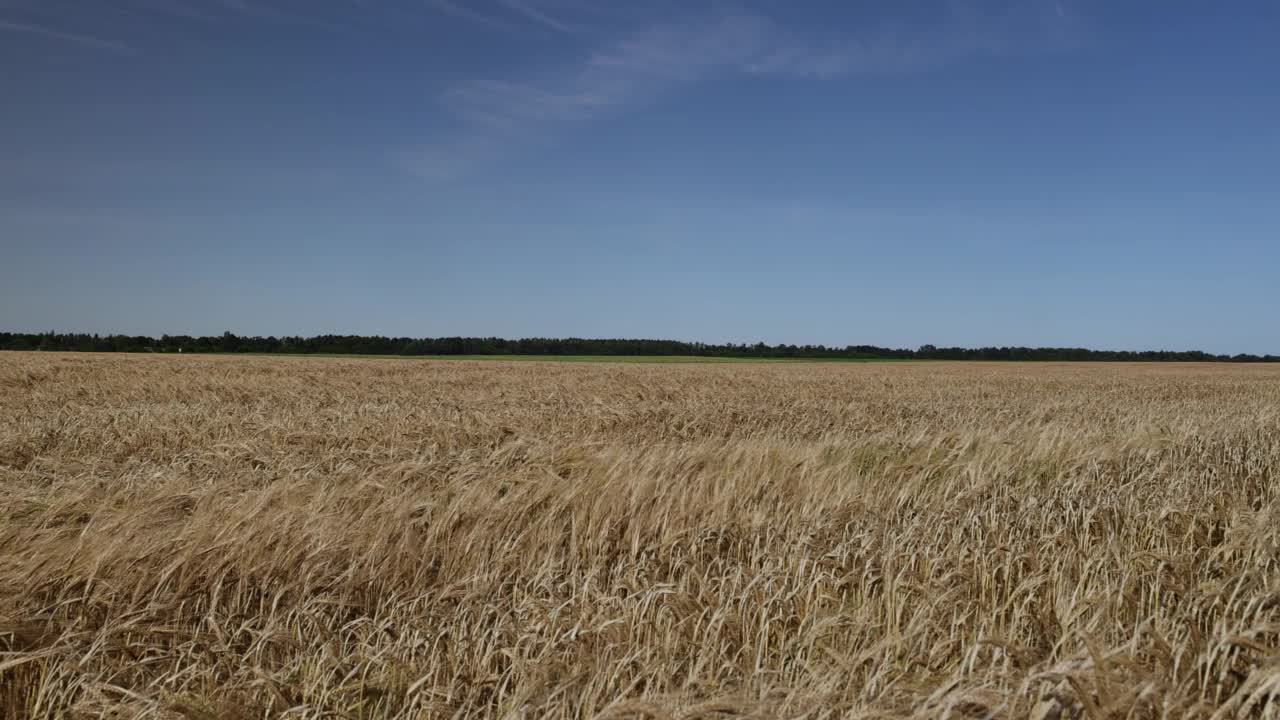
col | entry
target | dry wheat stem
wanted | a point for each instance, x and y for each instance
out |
(208, 537)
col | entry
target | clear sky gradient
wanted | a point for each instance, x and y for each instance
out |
(1093, 173)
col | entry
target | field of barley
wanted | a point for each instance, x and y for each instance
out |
(234, 537)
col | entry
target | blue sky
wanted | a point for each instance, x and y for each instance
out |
(1076, 172)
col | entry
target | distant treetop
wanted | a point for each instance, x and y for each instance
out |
(229, 342)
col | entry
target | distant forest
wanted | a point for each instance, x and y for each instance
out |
(377, 345)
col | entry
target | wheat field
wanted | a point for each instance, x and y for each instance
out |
(236, 537)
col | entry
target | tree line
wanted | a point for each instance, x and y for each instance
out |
(229, 342)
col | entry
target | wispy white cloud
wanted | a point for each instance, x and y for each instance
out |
(681, 52)
(634, 68)
(637, 67)
(885, 51)
(44, 31)
(500, 114)
(526, 8)
(516, 15)
(965, 31)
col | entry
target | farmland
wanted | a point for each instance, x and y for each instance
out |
(217, 536)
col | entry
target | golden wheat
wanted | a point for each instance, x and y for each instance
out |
(209, 537)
